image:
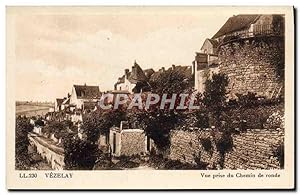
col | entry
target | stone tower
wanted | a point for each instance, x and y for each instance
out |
(251, 53)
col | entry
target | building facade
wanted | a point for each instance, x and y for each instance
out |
(84, 96)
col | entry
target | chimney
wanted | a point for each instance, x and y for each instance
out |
(126, 73)
(173, 67)
(162, 69)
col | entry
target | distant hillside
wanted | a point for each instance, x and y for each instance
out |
(33, 108)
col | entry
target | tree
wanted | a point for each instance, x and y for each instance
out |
(157, 125)
(214, 97)
(23, 127)
(82, 154)
(79, 154)
(157, 122)
(100, 121)
(39, 122)
(171, 81)
(60, 129)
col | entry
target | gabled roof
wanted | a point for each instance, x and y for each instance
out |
(87, 92)
(59, 101)
(137, 74)
(236, 23)
(213, 42)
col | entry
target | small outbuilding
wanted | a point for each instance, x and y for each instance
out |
(128, 142)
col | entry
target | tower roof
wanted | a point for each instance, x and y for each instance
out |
(236, 23)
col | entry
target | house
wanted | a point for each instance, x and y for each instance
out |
(209, 47)
(249, 49)
(135, 81)
(84, 97)
(66, 102)
(246, 26)
(58, 104)
(205, 66)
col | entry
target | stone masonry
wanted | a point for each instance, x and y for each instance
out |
(185, 146)
(133, 143)
(253, 66)
(252, 149)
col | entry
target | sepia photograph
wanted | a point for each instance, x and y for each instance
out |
(132, 89)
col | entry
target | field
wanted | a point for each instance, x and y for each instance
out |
(32, 108)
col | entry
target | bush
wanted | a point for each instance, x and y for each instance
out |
(157, 125)
(79, 154)
(39, 122)
(202, 119)
(60, 129)
(224, 143)
(214, 97)
(23, 127)
(99, 122)
(256, 117)
(207, 145)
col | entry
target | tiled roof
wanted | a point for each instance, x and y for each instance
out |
(87, 92)
(236, 23)
(137, 74)
(185, 70)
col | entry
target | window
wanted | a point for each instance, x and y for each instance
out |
(114, 143)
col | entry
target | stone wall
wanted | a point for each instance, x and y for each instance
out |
(253, 65)
(54, 155)
(252, 149)
(185, 146)
(133, 142)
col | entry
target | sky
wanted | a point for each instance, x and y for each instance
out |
(55, 51)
